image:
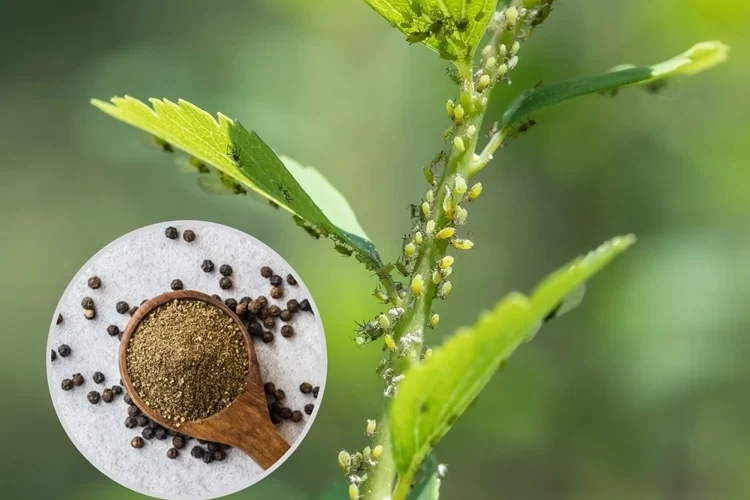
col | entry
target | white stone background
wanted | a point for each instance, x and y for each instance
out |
(138, 266)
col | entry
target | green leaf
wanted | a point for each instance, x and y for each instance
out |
(241, 156)
(436, 392)
(700, 57)
(452, 28)
(427, 486)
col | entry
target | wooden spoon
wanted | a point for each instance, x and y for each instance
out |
(245, 423)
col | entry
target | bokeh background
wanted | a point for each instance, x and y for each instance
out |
(642, 393)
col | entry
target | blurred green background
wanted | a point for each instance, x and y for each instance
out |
(641, 393)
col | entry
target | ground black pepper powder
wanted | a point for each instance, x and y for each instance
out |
(267, 337)
(53, 355)
(226, 270)
(276, 292)
(137, 442)
(291, 280)
(113, 330)
(207, 266)
(77, 379)
(87, 303)
(59, 319)
(93, 397)
(287, 331)
(122, 307)
(172, 233)
(266, 272)
(187, 360)
(225, 283)
(176, 285)
(296, 416)
(64, 350)
(197, 452)
(108, 396)
(66, 384)
(172, 453)
(305, 388)
(309, 408)
(285, 315)
(95, 283)
(98, 377)
(188, 236)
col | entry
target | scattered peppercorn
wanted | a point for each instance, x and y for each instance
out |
(274, 311)
(87, 303)
(286, 413)
(142, 420)
(77, 379)
(117, 389)
(279, 394)
(59, 319)
(213, 446)
(255, 329)
(285, 315)
(122, 307)
(216, 297)
(64, 350)
(246, 300)
(188, 236)
(291, 280)
(316, 389)
(172, 453)
(219, 455)
(89, 313)
(269, 322)
(133, 411)
(53, 355)
(98, 377)
(67, 384)
(275, 280)
(266, 272)
(197, 452)
(231, 304)
(276, 292)
(93, 397)
(131, 423)
(305, 388)
(178, 442)
(275, 418)
(160, 434)
(309, 408)
(133, 310)
(226, 270)
(113, 330)
(267, 337)
(108, 396)
(95, 283)
(127, 399)
(305, 305)
(177, 285)
(148, 433)
(207, 266)
(292, 305)
(225, 283)
(241, 309)
(287, 331)
(269, 388)
(262, 301)
(137, 442)
(208, 458)
(172, 233)
(296, 416)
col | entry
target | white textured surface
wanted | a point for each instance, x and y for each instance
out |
(138, 266)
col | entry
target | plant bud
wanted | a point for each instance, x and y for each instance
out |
(502, 70)
(450, 109)
(418, 238)
(475, 191)
(458, 115)
(459, 185)
(484, 82)
(425, 209)
(377, 452)
(429, 227)
(384, 322)
(371, 427)
(344, 460)
(409, 250)
(390, 344)
(462, 244)
(445, 289)
(417, 285)
(353, 492)
(434, 320)
(445, 233)
(446, 262)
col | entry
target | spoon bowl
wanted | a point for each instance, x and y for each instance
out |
(245, 423)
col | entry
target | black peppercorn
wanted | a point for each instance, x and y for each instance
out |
(276, 292)
(122, 307)
(67, 384)
(291, 280)
(217, 297)
(207, 266)
(59, 319)
(89, 313)
(305, 305)
(131, 423)
(176, 285)
(133, 411)
(213, 446)
(172, 452)
(286, 413)
(93, 397)
(64, 350)
(309, 408)
(98, 377)
(246, 300)
(113, 330)
(316, 389)
(262, 301)
(208, 457)
(160, 433)
(219, 455)
(127, 399)
(241, 309)
(142, 420)
(137, 442)
(274, 311)
(279, 394)
(269, 322)
(95, 282)
(267, 337)
(255, 329)
(275, 418)
(255, 307)
(269, 387)
(231, 304)
(133, 310)
(226, 270)
(296, 416)
(148, 433)
(178, 442)
(197, 452)
(53, 355)
(266, 272)
(305, 388)
(108, 396)
(87, 303)
(225, 283)
(202, 441)
(117, 389)
(77, 379)
(275, 280)
(285, 315)
(287, 331)
(188, 236)
(172, 233)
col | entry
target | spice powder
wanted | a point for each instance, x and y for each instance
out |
(187, 360)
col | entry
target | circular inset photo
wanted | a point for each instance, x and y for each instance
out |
(186, 360)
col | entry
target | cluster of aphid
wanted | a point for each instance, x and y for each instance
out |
(447, 32)
(356, 466)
